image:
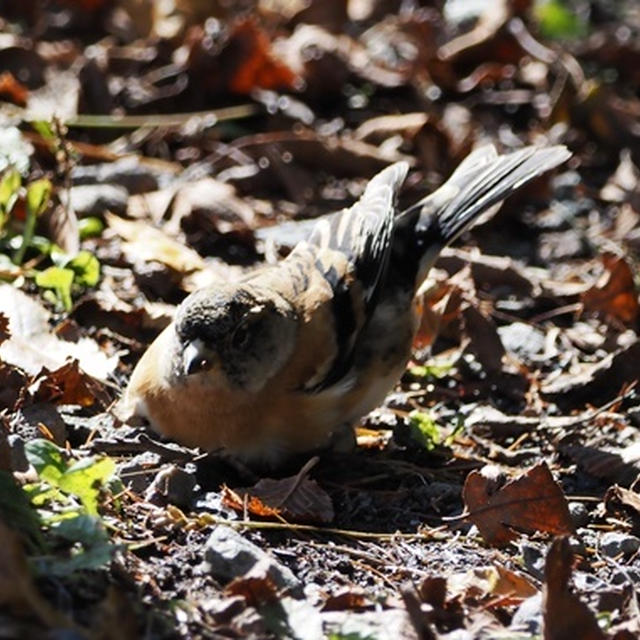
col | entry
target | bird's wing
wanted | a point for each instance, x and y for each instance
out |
(337, 272)
(363, 232)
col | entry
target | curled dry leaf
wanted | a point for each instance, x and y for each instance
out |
(146, 243)
(67, 385)
(531, 502)
(615, 293)
(503, 586)
(294, 498)
(564, 614)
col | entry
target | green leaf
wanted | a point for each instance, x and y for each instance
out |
(60, 280)
(557, 20)
(92, 547)
(85, 478)
(86, 268)
(430, 371)
(38, 194)
(90, 227)
(9, 189)
(43, 127)
(86, 529)
(424, 430)
(47, 459)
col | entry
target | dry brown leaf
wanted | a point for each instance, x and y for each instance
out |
(32, 344)
(564, 614)
(294, 498)
(11, 90)
(616, 465)
(615, 293)
(146, 243)
(531, 502)
(67, 385)
(501, 585)
(598, 381)
(619, 499)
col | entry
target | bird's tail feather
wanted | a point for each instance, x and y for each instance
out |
(482, 180)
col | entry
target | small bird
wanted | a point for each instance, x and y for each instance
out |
(288, 358)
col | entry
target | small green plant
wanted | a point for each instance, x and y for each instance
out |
(21, 205)
(66, 499)
(424, 430)
(557, 20)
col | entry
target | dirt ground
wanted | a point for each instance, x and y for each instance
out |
(148, 149)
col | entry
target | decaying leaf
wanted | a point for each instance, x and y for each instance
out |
(294, 498)
(146, 243)
(32, 344)
(565, 615)
(528, 503)
(615, 292)
(67, 385)
(497, 583)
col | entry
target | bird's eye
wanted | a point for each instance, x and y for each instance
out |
(240, 337)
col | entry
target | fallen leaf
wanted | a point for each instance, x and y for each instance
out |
(297, 499)
(615, 292)
(499, 584)
(618, 499)
(564, 614)
(32, 344)
(12, 90)
(67, 385)
(616, 465)
(532, 502)
(146, 243)
(598, 381)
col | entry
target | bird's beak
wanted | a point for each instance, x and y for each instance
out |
(196, 357)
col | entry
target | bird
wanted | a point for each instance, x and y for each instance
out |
(288, 358)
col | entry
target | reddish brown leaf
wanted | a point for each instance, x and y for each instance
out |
(615, 293)
(256, 590)
(531, 502)
(564, 615)
(294, 498)
(13, 91)
(67, 385)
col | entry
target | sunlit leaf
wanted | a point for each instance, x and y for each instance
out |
(90, 227)
(9, 189)
(85, 478)
(38, 194)
(557, 20)
(86, 268)
(60, 280)
(424, 430)
(15, 151)
(47, 459)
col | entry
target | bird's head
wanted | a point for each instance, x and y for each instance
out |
(235, 332)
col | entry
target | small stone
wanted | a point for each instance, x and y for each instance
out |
(579, 514)
(613, 544)
(229, 555)
(522, 339)
(172, 485)
(534, 560)
(528, 616)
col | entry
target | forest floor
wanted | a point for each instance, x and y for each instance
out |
(149, 149)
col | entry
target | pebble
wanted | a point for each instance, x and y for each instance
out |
(614, 543)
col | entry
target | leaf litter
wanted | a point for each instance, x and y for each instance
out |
(148, 150)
